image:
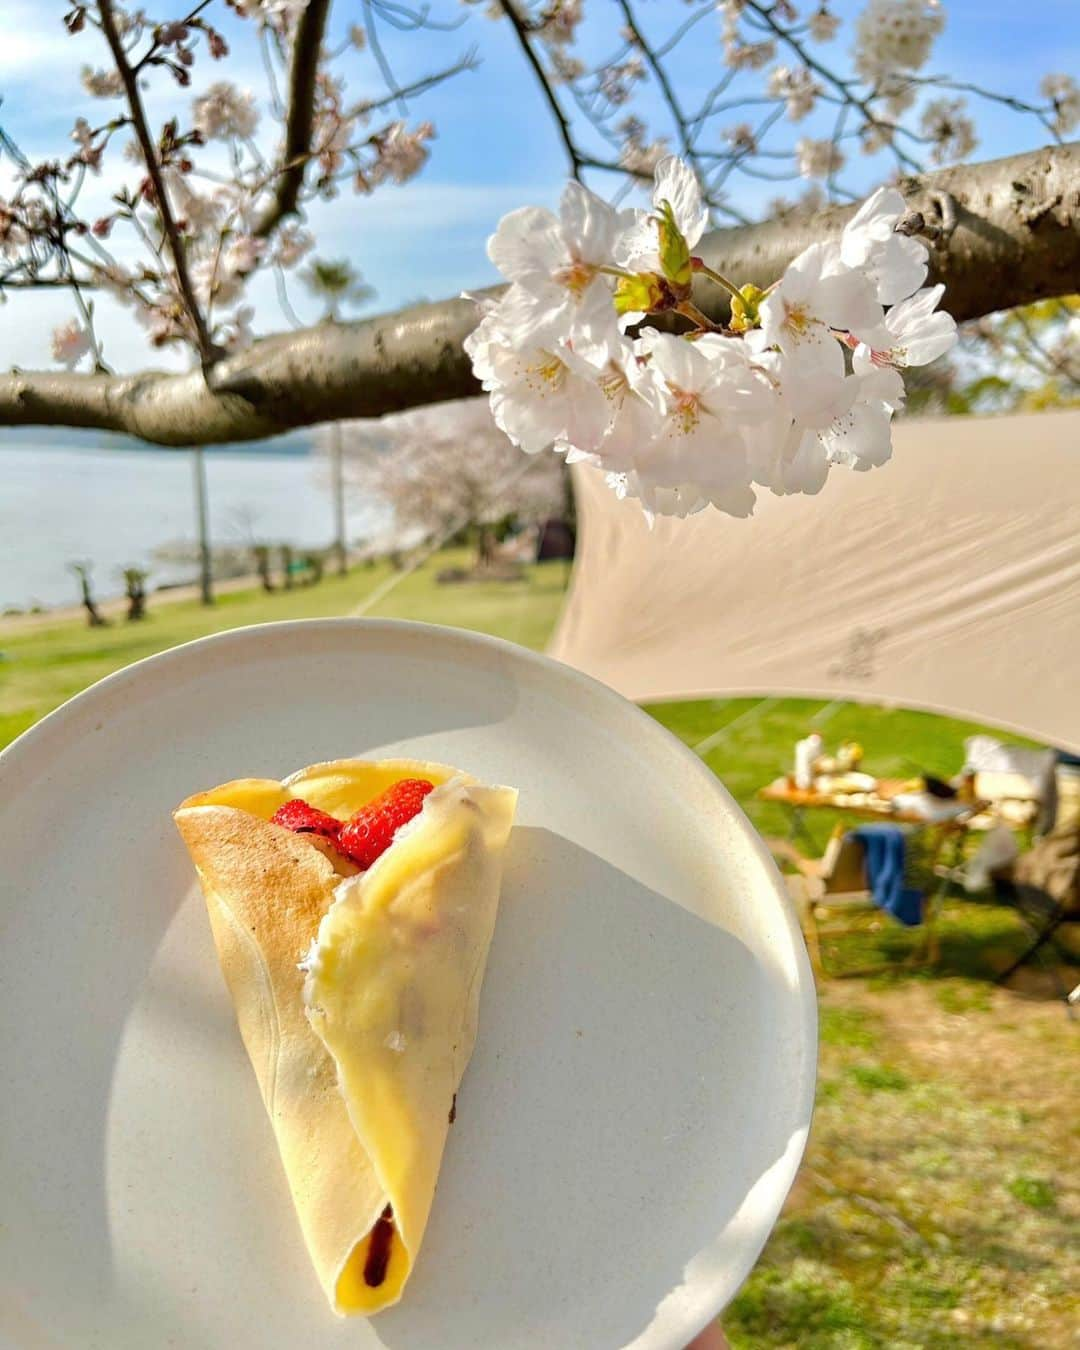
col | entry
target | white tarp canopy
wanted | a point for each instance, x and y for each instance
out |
(947, 580)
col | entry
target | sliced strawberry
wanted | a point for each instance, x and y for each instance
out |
(298, 815)
(370, 832)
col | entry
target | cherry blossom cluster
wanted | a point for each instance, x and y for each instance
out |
(805, 375)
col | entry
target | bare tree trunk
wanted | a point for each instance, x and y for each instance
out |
(1008, 233)
(337, 468)
(206, 568)
(262, 566)
(135, 587)
(485, 546)
(94, 617)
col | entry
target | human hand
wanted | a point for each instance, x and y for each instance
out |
(712, 1338)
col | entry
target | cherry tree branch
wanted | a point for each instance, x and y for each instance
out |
(1009, 235)
(577, 160)
(300, 118)
(666, 88)
(207, 351)
(843, 87)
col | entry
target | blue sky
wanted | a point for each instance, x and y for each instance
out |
(496, 146)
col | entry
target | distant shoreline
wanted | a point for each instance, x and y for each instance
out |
(115, 606)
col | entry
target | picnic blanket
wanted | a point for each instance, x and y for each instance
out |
(885, 853)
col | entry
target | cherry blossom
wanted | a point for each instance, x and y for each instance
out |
(626, 382)
(225, 111)
(292, 244)
(676, 187)
(816, 295)
(1064, 95)
(912, 334)
(401, 153)
(944, 122)
(539, 397)
(818, 159)
(823, 25)
(703, 406)
(636, 154)
(895, 35)
(797, 87)
(70, 343)
(560, 292)
(102, 83)
(895, 262)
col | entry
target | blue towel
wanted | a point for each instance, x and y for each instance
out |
(884, 852)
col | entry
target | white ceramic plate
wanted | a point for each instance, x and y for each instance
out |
(642, 1084)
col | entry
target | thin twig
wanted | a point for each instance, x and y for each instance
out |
(467, 61)
(156, 45)
(381, 61)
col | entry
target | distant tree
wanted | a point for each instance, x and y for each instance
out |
(315, 561)
(448, 468)
(1023, 359)
(94, 617)
(336, 283)
(262, 566)
(285, 552)
(135, 589)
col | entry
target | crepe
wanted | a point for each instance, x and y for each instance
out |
(356, 996)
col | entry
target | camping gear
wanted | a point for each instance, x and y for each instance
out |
(839, 886)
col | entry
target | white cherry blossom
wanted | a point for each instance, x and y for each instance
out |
(913, 333)
(818, 159)
(895, 262)
(945, 123)
(554, 262)
(101, 83)
(797, 86)
(823, 25)
(704, 396)
(539, 395)
(626, 381)
(676, 184)
(1064, 95)
(816, 295)
(225, 111)
(895, 35)
(70, 343)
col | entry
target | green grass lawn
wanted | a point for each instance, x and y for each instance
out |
(937, 1206)
(43, 664)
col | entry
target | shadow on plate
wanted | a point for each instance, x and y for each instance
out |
(609, 1125)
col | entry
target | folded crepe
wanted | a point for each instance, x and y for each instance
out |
(356, 995)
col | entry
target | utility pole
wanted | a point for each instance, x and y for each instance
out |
(337, 478)
(206, 572)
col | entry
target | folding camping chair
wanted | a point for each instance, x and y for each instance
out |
(834, 887)
(1041, 885)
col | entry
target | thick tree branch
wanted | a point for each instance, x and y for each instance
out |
(300, 120)
(1014, 238)
(153, 168)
